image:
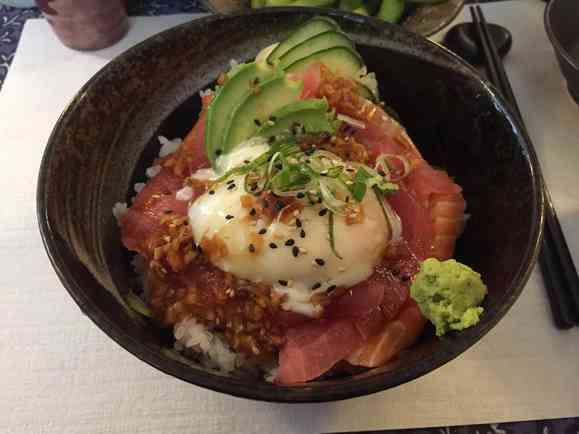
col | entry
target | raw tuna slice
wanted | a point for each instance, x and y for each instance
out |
(154, 201)
(359, 301)
(314, 348)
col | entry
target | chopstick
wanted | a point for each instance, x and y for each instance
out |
(557, 266)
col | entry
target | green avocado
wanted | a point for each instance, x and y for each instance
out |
(312, 114)
(391, 10)
(311, 28)
(220, 111)
(449, 294)
(257, 106)
(316, 43)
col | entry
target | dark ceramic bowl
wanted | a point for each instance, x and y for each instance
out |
(424, 19)
(106, 137)
(562, 25)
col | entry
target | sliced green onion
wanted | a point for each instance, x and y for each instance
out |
(332, 234)
(138, 305)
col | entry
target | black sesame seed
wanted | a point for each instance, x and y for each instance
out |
(298, 223)
(262, 231)
(282, 282)
(251, 248)
(231, 186)
(257, 122)
(300, 195)
(290, 242)
(231, 181)
(272, 245)
(295, 251)
(211, 192)
(317, 285)
(323, 174)
(320, 262)
(320, 200)
(218, 152)
(246, 161)
(252, 212)
(331, 288)
(323, 212)
(347, 199)
(228, 217)
(302, 233)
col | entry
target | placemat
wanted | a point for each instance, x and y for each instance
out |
(63, 375)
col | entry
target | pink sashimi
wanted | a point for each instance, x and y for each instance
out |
(398, 334)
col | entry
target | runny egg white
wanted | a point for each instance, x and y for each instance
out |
(315, 268)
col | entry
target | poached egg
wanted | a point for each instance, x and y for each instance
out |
(294, 256)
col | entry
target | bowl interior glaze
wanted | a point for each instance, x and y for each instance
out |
(107, 136)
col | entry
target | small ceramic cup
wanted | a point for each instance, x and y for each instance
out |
(86, 24)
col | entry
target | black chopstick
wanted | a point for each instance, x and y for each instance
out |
(557, 266)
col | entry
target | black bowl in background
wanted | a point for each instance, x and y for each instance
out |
(562, 25)
(106, 137)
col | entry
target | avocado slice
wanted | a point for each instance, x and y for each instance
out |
(311, 28)
(312, 114)
(391, 10)
(256, 108)
(340, 60)
(220, 109)
(365, 92)
(316, 43)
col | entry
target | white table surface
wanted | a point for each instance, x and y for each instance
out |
(61, 374)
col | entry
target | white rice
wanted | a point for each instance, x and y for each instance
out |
(138, 187)
(211, 347)
(204, 174)
(119, 210)
(185, 194)
(152, 171)
(271, 373)
(168, 147)
(206, 92)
